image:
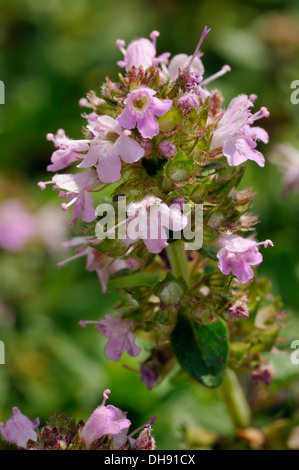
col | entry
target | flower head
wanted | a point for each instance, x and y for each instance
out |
(141, 110)
(19, 429)
(238, 254)
(141, 53)
(109, 144)
(106, 420)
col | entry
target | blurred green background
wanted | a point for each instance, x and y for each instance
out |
(51, 54)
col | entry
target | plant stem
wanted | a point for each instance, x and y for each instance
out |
(234, 398)
(178, 260)
(230, 389)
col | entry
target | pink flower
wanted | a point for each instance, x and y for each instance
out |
(68, 151)
(103, 265)
(96, 261)
(141, 110)
(234, 134)
(141, 53)
(17, 225)
(77, 187)
(149, 220)
(120, 336)
(106, 420)
(237, 254)
(19, 429)
(110, 143)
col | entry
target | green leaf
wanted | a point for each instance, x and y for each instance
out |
(171, 120)
(170, 290)
(201, 350)
(180, 168)
(209, 251)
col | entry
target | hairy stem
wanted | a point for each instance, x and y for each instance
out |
(178, 260)
(235, 400)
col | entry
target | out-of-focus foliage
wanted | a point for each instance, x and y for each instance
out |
(51, 54)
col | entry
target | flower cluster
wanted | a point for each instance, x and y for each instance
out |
(106, 429)
(158, 137)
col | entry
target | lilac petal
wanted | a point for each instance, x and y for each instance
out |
(91, 157)
(258, 133)
(130, 151)
(88, 210)
(235, 155)
(115, 428)
(253, 257)
(103, 278)
(127, 119)
(109, 169)
(224, 262)
(155, 246)
(131, 347)
(162, 58)
(242, 271)
(113, 350)
(160, 107)
(77, 182)
(236, 244)
(148, 126)
(257, 156)
(62, 158)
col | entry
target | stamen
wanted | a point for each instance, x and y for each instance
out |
(266, 243)
(120, 43)
(42, 184)
(223, 71)
(77, 241)
(65, 206)
(106, 396)
(61, 264)
(84, 323)
(154, 35)
(50, 137)
(263, 112)
(84, 103)
(204, 34)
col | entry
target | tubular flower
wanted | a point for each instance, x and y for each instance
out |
(110, 144)
(142, 109)
(149, 220)
(106, 419)
(19, 429)
(238, 254)
(141, 53)
(234, 134)
(68, 151)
